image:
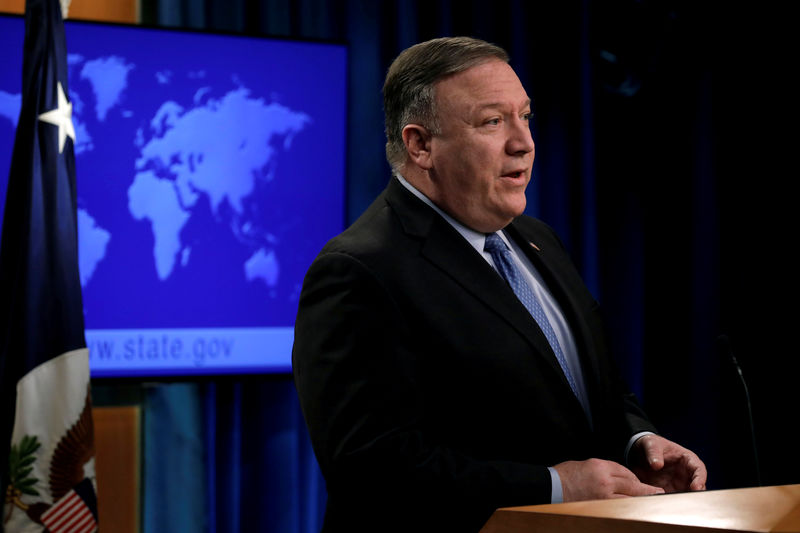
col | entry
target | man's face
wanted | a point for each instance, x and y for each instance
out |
(481, 161)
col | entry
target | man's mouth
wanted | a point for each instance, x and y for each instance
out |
(514, 174)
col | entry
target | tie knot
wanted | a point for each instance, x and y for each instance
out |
(494, 244)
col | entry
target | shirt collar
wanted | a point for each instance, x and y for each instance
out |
(475, 238)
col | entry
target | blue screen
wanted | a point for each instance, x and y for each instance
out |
(210, 172)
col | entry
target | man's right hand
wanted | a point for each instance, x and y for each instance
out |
(596, 479)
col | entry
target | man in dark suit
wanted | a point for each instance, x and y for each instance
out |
(448, 358)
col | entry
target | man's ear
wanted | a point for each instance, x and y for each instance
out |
(418, 145)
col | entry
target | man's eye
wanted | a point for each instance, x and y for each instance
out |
(493, 121)
(527, 116)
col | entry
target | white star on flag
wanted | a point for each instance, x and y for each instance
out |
(61, 117)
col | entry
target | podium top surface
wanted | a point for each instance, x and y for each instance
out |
(759, 509)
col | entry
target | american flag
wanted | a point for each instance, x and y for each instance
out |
(70, 514)
(45, 406)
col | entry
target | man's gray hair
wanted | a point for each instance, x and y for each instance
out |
(408, 92)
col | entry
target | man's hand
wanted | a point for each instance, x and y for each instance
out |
(598, 479)
(663, 463)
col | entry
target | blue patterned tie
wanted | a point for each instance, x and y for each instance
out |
(508, 269)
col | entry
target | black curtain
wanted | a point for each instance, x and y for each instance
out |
(657, 162)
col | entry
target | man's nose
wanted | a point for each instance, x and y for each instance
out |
(520, 140)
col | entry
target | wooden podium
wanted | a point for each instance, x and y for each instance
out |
(761, 509)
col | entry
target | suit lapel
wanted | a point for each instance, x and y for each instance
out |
(552, 272)
(446, 249)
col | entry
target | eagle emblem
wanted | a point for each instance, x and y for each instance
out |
(74, 502)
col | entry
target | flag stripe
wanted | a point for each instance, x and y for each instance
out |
(83, 525)
(68, 520)
(69, 515)
(65, 513)
(55, 513)
(75, 515)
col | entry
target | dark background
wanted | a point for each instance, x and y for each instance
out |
(663, 136)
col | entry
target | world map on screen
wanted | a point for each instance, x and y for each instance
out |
(219, 148)
(186, 148)
(206, 184)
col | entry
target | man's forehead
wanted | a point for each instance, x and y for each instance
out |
(487, 85)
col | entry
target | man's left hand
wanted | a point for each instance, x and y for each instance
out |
(663, 463)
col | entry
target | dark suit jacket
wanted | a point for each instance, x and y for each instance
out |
(431, 395)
